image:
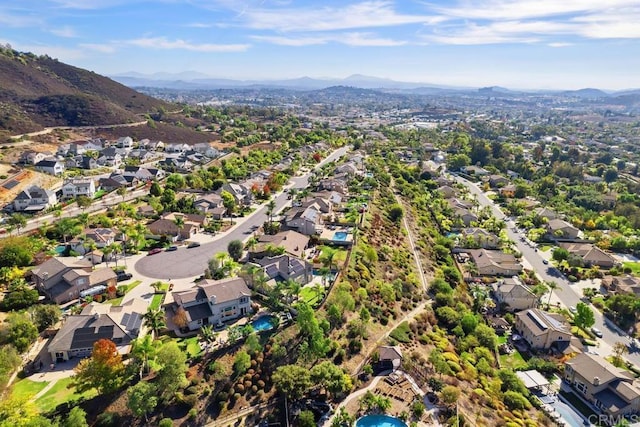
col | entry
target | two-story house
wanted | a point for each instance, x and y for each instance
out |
(79, 187)
(50, 166)
(495, 263)
(514, 294)
(476, 237)
(294, 244)
(561, 229)
(542, 330)
(63, 279)
(124, 142)
(34, 199)
(210, 204)
(612, 390)
(307, 221)
(285, 267)
(213, 302)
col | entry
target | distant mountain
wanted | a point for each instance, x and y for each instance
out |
(587, 93)
(180, 81)
(38, 91)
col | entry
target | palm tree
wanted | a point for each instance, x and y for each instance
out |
(145, 349)
(179, 222)
(83, 219)
(18, 221)
(552, 286)
(319, 289)
(271, 207)
(67, 227)
(208, 334)
(107, 251)
(292, 289)
(113, 249)
(90, 245)
(154, 320)
(324, 272)
(330, 256)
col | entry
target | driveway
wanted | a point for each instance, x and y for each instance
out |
(567, 292)
(185, 263)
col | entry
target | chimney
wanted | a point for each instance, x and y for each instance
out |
(596, 381)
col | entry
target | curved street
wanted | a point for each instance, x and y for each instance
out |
(192, 262)
(567, 292)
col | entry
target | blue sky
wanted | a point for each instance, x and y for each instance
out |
(559, 44)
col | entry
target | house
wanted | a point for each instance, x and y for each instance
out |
(210, 204)
(206, 149)
(508, 190)
(176, 165)
(323, 205)
(78, 187)
(34, 199)
(124, 142)
(213, 302)
(467, 217)
(495, 263)
(167, 225)
(50, 166)
(146, 211)
(307, 221)
(101, 237)
(546, 213)
(241, 193)
(112, 156)
(63, 279)
(31, 157)
(115, 181)
(474, 170)
(542, 330)
(294, 244)
(76, 148)
(447, 191)
(513, 294)
(143, 156)
(614, 391)
(333, 185)
(334, 197)
(591, 254)
(478, 238)
(496, 181)
(176, 147)
(559, 228)
(285, 267)
(626, 284)
(88, 162)
(499, 324)
(349, 169)
(389, 358)
(120, 324)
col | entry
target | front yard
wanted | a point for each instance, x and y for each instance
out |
(61, 392)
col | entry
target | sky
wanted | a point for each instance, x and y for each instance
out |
(519, 44)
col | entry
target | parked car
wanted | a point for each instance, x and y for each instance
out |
(545, 262)
(123, 275)
(597, 332)
(193, 245)
(172, 248)
(155, 251)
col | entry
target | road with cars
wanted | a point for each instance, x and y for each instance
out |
(566, 292)
(191, 262)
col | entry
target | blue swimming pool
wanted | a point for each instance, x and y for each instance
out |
(380, 421)
(569, 416)
(60, 249)
(340, 236)
(263, 323)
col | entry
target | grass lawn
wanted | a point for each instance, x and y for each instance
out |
(512, 361)
(60, 393)
(191, 346)
(309, 295)
(156, 301)
(577, 403)
(502, 339)
(545, 248)
(27, 388)
(633, 266)
(401, 333)
(130, 286)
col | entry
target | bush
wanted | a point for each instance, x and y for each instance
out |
(165, 422)
(515, 400)
(108, 419)
(193, 413)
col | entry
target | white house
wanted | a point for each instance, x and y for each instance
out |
(78, 187)
(212, 302)
(34, 198)
(51, 166)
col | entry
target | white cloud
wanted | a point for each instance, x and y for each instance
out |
(13, 20)
(199, 25)
(164, 43)
(559, 44)
(65, 31)
(367, 14)
(349, 39)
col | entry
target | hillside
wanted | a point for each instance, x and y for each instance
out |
(38, 91)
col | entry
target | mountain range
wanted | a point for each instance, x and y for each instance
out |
(193, 80)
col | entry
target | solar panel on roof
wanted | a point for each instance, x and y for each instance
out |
(537, 320)
(9, 185)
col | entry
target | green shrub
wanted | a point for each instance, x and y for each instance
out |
(165, 422)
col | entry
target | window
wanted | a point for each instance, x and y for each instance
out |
(581, 387)
(243, 300)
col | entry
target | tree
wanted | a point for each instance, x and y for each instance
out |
(310, 329)
(20, 411)
(142, 399)
(241, 363)
(271, 207)
(21, 332)
(560, 254)
(331, 377)
(77, 418)
(396, 213)
(154, 320)
(552, 287)
(292, 380)
(229, 202)
(144, 350)
(171, 376)
(155, 190)
(9, 360)
(83, 202)
(306, 419)
(180, 318)
(584, 317)
(122, 191)
(104, 370)
(175, 181)
(15, 252)
(18, 221)
(450, 394)
(235, 248)
(19, 298)
(619, 348)
(67, 227)
(45, 315)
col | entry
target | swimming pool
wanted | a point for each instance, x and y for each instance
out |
(263, 323)
(60, 249)
(568, 415)
(380, 421)
(340, 236)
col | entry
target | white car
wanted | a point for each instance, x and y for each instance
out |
(597, 332)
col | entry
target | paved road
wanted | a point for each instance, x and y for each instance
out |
(192, 262)
(567, 293)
